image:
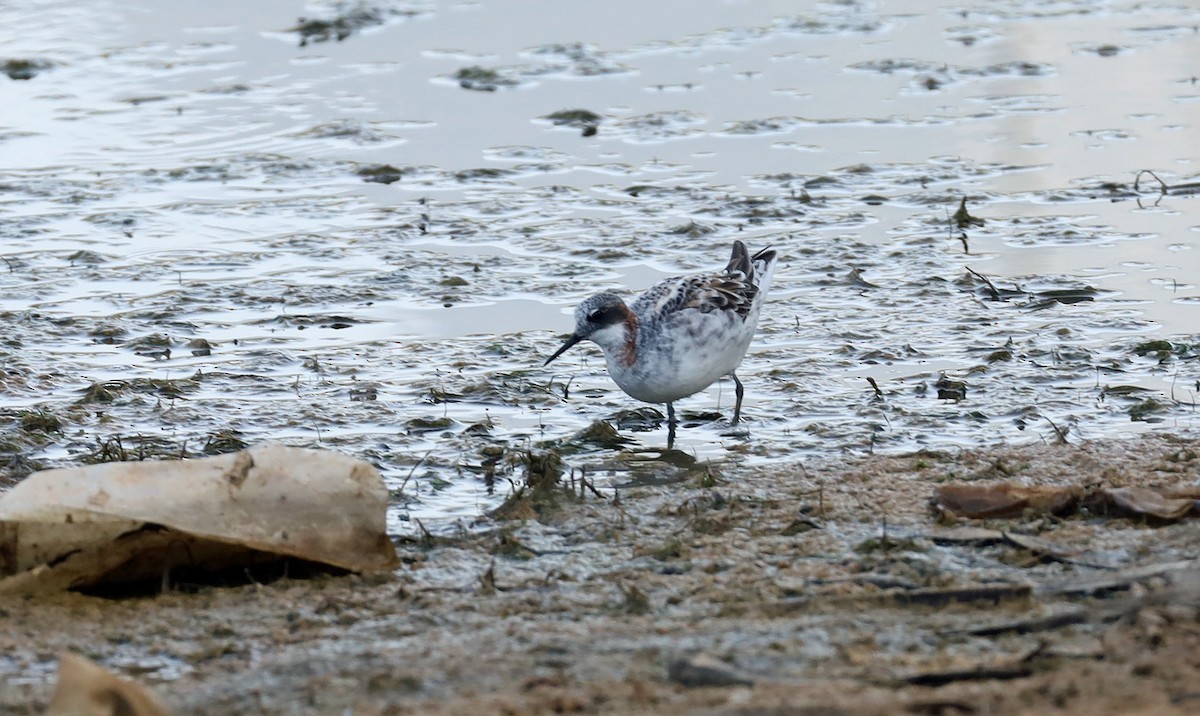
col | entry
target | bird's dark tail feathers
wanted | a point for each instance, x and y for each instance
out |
(740, 260)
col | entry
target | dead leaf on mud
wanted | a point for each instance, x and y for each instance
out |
(87, 689)
(1148, 502)
(1004, 500)
(1010, 500)
(115, 523)
(701, 670)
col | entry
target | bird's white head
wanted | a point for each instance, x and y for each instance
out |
(605, 320)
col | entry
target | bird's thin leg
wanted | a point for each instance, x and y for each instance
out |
(739, 391)
(671, 426)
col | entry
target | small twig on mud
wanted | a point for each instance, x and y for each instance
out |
(878, 392)
(414, 469)
(487, 581)
(1161, 184)
(820, 493)
(1062, 435)
(427, 538)
(991, 286)
(966, 247)
(583, 482)
(592, 488)
(445, 403)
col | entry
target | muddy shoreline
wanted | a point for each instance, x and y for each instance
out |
(820, 588)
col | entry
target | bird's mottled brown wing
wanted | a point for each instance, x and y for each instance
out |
(728, 292)
(733, 290)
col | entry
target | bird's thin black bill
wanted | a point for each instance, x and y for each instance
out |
(570, 342)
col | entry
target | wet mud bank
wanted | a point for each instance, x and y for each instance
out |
(831, 587)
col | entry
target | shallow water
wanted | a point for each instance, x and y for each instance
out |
(179, 173)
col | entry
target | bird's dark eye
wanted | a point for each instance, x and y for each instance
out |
(593, 316)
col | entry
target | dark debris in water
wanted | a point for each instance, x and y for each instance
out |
(40, 421)
(1149, 410)
(24, 69)
(303, 321)
(425, 425)
(200, 347)
(482, 174)
(601, 434)
(641, 419)
(140, 447)
(950, 389)
(692, 229)
(346, 19)
(381, 174)
(1036, 299)
(105, 392)
(577, 59)
(344, 129)
(224, 441)
(1065, 296)
(574, 118)
(482, 79)
(1163, 349)
(585, 120)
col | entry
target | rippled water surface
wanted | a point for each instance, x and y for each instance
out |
(222, 223)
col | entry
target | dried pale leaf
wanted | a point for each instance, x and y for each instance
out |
(87, 689)
(1005, 499)
(1149, 503)
(122, 521)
